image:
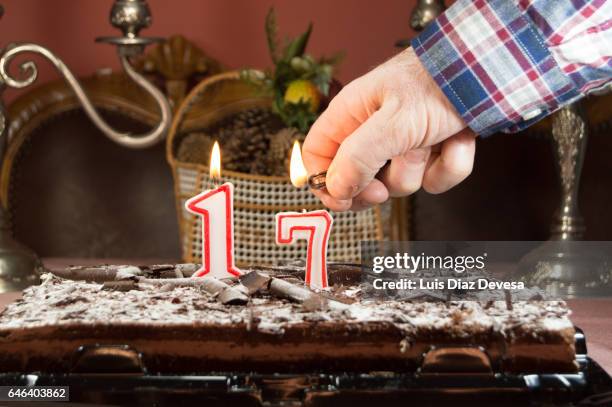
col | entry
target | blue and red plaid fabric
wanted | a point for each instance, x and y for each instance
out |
(505, 64)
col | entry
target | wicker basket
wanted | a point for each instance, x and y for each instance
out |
(257, 198)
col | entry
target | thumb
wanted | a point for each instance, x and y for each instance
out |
(361, 156)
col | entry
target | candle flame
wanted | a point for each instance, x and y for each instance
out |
(215, 162)
(297, 171)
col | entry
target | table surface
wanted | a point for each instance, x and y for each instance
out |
(593, 316)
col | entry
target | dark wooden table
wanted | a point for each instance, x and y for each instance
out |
(594, 316)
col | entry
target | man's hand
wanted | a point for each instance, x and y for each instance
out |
(394, 114)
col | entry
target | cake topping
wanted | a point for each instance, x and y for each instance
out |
(59, 302)
(122, 285)
(226, 294)
(128, 272)
(255, 281)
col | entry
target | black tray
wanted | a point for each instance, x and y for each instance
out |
(590, 386)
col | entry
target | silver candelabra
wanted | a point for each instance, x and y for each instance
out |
(19, 266)
(564, 265)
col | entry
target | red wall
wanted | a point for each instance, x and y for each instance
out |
(229, 30)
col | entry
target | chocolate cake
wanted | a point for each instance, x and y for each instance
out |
(270, 322)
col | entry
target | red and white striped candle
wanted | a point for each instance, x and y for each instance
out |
(313, 226)
(216, 208)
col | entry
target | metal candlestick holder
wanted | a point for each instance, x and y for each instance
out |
(19, 266)
(423, 13)
(564, 265)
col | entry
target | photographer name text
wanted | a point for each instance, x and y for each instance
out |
(447, 284)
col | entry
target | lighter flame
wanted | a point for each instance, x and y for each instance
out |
(215, 162)
(297, 171)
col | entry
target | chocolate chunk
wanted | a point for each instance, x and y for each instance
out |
(70, 300)
(232, 296)
(255, 281)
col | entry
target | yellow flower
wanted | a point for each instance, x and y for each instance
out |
(302, 90)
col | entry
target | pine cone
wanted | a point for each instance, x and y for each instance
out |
(242, 147)
(195, 148)
(281, 144)
(244, 139)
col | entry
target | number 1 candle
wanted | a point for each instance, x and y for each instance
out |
(216, 208)
(314, 226)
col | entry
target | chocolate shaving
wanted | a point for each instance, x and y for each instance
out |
(120, 285)
(128, 272)
(159, 267)
(70, 300)
(101, 274)
(232, 296)
(508, 297)
(93, 274)
(225, 293)
(187, 269)
(159, 271)
(255, 281)
(284, 289)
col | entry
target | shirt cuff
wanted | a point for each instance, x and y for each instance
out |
(493, 66)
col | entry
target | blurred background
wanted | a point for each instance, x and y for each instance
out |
(230, 31)
(121, 202)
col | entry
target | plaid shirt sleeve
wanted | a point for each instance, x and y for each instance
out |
(505, 64)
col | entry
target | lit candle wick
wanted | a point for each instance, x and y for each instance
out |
(215, 207)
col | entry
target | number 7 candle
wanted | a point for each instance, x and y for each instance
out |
(313, 226)
(216, 208)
